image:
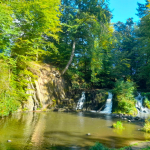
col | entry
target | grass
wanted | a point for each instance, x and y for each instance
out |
(118, 125)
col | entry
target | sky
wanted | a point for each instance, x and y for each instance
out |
(124, 9)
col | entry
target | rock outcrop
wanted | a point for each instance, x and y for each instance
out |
(46, 90)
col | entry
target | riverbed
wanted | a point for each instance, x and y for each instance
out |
(66, 131)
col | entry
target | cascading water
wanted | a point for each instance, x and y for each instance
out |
(139, 104)
(108, 105)
(143, 112)
(81, 101)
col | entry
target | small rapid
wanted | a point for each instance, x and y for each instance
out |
(108, 105)
(81, 101)
(142, 111)
(139, 103)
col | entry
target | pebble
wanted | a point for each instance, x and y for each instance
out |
(8, 140)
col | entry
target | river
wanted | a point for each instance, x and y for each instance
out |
(65, 131)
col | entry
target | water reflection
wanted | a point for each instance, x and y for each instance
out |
(81, 119)
(54, 130)
(38, 131)
(108, 120)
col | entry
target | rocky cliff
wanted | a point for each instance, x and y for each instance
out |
(46, 90)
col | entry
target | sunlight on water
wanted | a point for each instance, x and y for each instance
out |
(47, 130)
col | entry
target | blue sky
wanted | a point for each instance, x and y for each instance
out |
(124, 9)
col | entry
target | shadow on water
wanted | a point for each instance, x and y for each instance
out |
(105, 117)
(92, 115)
(110, 141)
(63, 131)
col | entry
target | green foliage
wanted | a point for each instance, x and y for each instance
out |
(25, 109)
(146, 94)
(101, 63)
(147, 103)
(14, 81)
(54, 102)
(28, 30)
(27, 25)
(44, 109)
(124, 95)
(146, 127)
(118, 125)
(86, 23)
(123, 53)
(99, 146)
(142, 47)
(147, 148)
(8, 94)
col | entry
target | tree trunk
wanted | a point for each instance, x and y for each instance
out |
(71, 57)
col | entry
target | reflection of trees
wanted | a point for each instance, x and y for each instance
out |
(38, 131)
(19, 128)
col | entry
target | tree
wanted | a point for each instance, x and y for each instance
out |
(83, 22)
(33, 21)
(143, 33)
(101, 63)
(124, 53)
(28, 30)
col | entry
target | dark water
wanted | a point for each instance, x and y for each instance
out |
(65, 131)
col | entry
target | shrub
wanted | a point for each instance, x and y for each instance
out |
(118, 125)
(124, 96)
(99, 146)
(146, 127)
(25, 109)
(147, 94)
(147, 103)
(8, 95)
(14, 81)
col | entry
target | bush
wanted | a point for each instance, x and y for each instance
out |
(146, 127)
(8, 94)
(147, 103)
(13, 85)
(99, 146)
(147, 94)
(124, 95)
(118, 125)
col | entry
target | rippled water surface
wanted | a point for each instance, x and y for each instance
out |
(55, 130)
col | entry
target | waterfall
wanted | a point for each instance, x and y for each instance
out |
(139, 104)
(81, 101)
(143, 112)
(108, 105)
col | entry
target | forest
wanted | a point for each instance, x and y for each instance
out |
(78, 38)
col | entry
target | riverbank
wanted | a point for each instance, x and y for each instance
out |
(143, 145)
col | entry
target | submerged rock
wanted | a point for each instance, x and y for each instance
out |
(88, 134)
(137, 118)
